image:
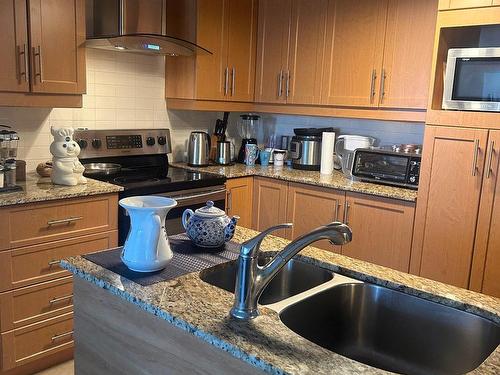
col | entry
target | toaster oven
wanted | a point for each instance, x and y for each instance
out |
(387, 167)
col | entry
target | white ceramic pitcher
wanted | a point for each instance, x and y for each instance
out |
(147, 248)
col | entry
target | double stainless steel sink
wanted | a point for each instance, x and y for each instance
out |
(371, 324)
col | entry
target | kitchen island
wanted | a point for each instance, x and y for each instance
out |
(119, 324)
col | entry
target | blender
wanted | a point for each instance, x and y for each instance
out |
(247, 129)
(9, 140)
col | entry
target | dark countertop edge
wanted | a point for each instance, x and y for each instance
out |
(177, 322)
(257, 173)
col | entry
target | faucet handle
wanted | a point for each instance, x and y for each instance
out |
(250, 248)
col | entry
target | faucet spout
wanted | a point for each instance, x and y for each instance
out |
(251, 278)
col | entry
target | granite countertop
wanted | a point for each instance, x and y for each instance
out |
(335, 181)
(203, 310)
(41, 189)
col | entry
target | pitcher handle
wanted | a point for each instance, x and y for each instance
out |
(186, 215)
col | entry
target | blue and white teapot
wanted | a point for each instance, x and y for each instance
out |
(209, 226)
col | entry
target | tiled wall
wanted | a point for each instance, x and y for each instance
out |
(127, 91)
(123, 91)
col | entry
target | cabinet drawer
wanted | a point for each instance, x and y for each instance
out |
(27, 344)
(36, 223)
(34, 264)
(32, 304)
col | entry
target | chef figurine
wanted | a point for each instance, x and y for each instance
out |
(66, 168)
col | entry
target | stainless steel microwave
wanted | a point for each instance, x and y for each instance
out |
(472, 80)
(387, 167)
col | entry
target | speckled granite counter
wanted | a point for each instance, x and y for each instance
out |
(202, 310)
(38, 189)
(335, 181)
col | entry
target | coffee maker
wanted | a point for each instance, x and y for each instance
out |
(247, 129)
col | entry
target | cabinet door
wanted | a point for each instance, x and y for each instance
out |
(463, 4)
(212, 73)
(310, 207)
(242, 44)
(269, 204)
(355, 51)
(485, 275)
(272, 50)
(307, 45)
(239, 199)
(14, 72)
(448, 203)
(57, 31)
(381, 230)
(404, 81)
(496, 2)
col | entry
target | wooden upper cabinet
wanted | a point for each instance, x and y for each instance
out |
(355, 51)
(310, 207)
(448, 202)
(382, 230)
(211, 70)
(486, 263)
(464, 4)
(405, 76)
(303, 76)
(242, 44)
(14, 63)
(272, 50)
(57, 34)
(496, 2)
(269, 204)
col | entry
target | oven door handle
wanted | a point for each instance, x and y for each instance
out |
(193, 196)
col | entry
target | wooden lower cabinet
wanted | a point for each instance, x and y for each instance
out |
(309, 207)
(382, 230)
(269, 204)
(239, 199)
(36, 294)
(485, 274)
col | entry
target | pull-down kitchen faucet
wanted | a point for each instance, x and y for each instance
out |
(251, 278)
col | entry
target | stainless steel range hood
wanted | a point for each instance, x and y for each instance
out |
(138, 26)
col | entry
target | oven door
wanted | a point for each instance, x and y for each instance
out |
(190, 198)
(472, 80)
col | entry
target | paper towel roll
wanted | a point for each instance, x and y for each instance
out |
(327, 145)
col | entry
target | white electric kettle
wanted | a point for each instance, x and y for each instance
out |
(345, 147)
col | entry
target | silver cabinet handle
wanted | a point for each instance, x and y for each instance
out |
(347, 206)
(62, 335)
(64, 221)
(233, 86)
(229, 200)
(280, 83)
(383, 76)
(337, 206)
(23, 63)
(54, 262)
(287, 88)
(372, 85)
(490, 159)
(60, 299)
(37, 53)
(226, 80)
(474, 158)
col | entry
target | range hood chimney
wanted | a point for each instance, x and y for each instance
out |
(138, 26)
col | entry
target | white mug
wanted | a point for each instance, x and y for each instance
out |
(279, 157)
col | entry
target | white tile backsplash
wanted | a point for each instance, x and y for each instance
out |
(127, 91)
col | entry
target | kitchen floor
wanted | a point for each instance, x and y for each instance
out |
(66, 368)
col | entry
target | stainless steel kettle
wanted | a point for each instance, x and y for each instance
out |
(198, 149)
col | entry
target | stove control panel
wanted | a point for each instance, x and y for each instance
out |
(123, 141)
(116, 142)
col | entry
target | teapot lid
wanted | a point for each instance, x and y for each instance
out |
(209, 211)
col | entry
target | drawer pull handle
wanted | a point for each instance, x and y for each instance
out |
(474, 157)
(64, 221)
(54, 262)
(62, 335)
(60, 299)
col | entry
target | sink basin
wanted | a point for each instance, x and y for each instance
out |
(294, 278)
(392, 330)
